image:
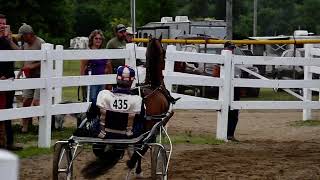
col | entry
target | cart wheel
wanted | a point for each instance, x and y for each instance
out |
(62, 167)
(159, 162)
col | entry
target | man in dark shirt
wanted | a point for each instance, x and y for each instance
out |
(7, 72)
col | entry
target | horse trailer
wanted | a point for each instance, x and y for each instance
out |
(181, 26)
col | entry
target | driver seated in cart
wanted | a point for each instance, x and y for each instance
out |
(119, 107)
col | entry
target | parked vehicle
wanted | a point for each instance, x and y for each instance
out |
(210, 69)
(79, 43)
(172, 28)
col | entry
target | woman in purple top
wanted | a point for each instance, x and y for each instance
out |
(97, 66)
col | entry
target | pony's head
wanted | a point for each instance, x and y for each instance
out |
(155, 56)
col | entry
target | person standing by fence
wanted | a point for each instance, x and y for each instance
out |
(31, 69)
(6, 97)
(130, 35)
(95, 67)
(233, 115)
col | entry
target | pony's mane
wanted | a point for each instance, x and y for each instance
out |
(153, 59)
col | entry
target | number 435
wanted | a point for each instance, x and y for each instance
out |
(120, 104)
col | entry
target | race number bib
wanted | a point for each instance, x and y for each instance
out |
(117, 102)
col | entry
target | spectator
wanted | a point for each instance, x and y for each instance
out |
(31, 69)
(96, 67)
(6, 100)
(130, 35)
(233, 115)
(117, 42)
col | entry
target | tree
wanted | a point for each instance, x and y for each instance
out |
(44, 16)
(147, 11)
(199, 8)
(87, 19)
(167, 8)
(308, 16)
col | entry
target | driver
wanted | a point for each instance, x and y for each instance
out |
(119, 107)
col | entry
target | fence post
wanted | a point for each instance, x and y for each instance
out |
(169, 66)
(307, 93)
(132, 61)
(9, 165)
(224, 95)
(44, 139)
(58, 73)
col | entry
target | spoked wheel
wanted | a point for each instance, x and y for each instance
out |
(62, 167)
(159, 162)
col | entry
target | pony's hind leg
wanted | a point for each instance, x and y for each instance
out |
(138, 168)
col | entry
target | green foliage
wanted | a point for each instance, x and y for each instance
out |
(51, 19)
(167, 8)
(87, 19)
(199, 8)
(147, 11)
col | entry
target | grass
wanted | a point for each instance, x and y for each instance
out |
(32, 134)
(194, 139)
(307, 123)
(33, 151)
(29, 140)
(71, 68)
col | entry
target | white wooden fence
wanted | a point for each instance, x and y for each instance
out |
(51, 82)
(9, 165)
(310, 52)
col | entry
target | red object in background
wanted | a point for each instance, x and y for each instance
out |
(2, 100)
(26, 71)
(179, 66)
(216, 71)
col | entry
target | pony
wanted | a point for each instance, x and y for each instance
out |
(156, 97)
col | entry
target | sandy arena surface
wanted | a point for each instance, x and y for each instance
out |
(270, 147)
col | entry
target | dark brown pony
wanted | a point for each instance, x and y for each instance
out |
(155, 95)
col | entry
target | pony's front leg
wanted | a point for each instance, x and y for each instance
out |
(136, 159)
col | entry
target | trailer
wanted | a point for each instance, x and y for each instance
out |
(182, 26)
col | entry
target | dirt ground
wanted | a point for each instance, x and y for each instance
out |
(270, 147)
